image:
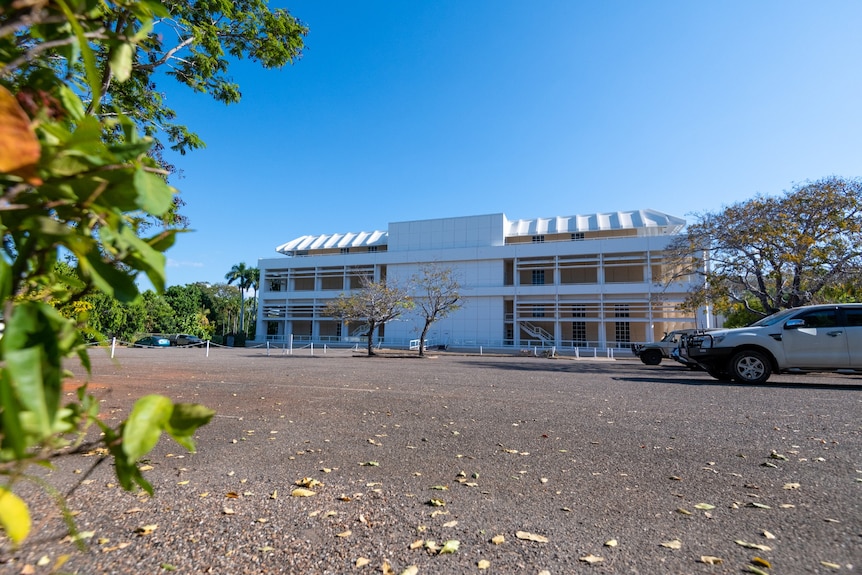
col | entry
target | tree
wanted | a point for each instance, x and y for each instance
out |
(374, 304)
(437, 295)
(245, 277)
(81, 174)
(773, 253)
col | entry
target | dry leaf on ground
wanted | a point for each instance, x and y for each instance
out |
(531, 537)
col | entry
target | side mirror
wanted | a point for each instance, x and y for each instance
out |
(794, 323)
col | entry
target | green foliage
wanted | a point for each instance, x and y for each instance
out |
(81, 175)
(246, 278)
(772, 253)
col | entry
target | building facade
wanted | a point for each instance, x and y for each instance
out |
(589, 281)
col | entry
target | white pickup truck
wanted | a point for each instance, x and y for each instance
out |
(803, 339)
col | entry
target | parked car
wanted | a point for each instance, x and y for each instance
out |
(153, 341)
(652, 353)
(810, 338)
(185, 339)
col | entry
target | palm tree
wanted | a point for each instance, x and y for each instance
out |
(243, 276)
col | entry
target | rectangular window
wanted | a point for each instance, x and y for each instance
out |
(577, 236)
(538, 277)
(623, 332)
(372, 248)
(622, 329)
(538, 239)
(538, 311)
(345, 250)
(579, 333)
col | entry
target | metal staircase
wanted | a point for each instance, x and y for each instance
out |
(537, 332)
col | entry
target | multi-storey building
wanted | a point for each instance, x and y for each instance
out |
(566, 281)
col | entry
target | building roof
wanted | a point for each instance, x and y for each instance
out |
(661, 222)
(595, 222)
(333, 241)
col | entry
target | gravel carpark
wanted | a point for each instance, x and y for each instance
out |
(459, 464)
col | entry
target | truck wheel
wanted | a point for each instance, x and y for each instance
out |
(651, 357)
(750, 366)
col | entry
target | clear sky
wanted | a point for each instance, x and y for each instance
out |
(533, 108)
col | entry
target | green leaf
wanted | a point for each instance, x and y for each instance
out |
(155, 196)
(89, 58)
(185, 420)
(450, 546)
(149, 417)
(121, 61)
(14, 516)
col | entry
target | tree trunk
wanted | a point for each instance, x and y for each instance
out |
(422, 338)
(370, 335)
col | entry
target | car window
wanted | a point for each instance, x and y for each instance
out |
(853, 316)
(819, 318)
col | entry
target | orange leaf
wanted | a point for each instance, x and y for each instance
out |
(19, 147)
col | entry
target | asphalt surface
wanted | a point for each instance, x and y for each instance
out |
(601, 466)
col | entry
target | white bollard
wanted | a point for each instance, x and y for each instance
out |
(113, 347)
(208, 348)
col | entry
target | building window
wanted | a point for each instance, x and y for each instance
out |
(538, 239)
(579, 333)
(622, 329)
(345, 250)
(538, 311)
(372, 248)
(577, 236)
(538, 277)
(623, 332)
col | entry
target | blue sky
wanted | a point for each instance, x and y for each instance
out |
(420, 109)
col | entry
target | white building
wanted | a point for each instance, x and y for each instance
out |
(566, 281)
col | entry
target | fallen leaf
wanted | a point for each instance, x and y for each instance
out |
(145, 468)
(611, 543)
(232, 495)
(436, 503)
(758, 505)
(672, 544)
(760, 562)
(134, 510)
(776, 455)
(768, 535)
(710, 560)
(531, 537)
(450, 524)
(146, 529)
(755, 570)
(753, 545)
(370, 464)
(683, 511)
(410, 570)
(417, 544)
(440, 488)
(450, 547)
(228, 511)
(345, 534)
(302, 492)
(386, 568)
(704, 506)
(792, 486)
(308, 482)
(830, 565)
(362, 562)
(498, 539)
(591, 559)
(182, 482)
